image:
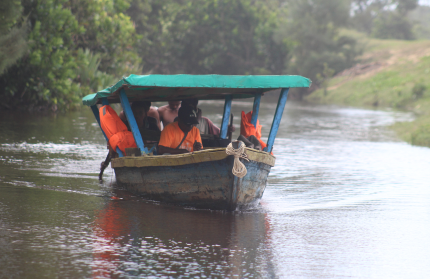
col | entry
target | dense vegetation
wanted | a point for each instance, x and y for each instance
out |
(73, 48)
(385, 19)
(52, 52)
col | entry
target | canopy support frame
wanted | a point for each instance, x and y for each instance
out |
(256, 109)
(277, 119)
(132, 121)
(226, 116)
(105, 101)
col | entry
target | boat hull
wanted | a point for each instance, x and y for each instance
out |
(201, 184)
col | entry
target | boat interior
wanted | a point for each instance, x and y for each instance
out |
(201, 87)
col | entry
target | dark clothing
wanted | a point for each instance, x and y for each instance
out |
(150, 124)
(251, 142)
(150, 131)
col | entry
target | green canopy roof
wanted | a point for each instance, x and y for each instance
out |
(202, 87)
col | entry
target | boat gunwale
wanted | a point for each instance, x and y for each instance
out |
(195, 157)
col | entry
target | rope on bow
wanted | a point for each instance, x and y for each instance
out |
(239, 168)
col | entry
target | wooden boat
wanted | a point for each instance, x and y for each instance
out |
(202, 179)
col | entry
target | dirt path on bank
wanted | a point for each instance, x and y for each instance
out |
(379, 60)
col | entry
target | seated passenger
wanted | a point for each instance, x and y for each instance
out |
(169, 112)
(153, 112)
(148, 127)
(115, 130)
(181, 136)
(205, 126)
(141, 111)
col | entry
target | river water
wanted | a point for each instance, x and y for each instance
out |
(346, 199)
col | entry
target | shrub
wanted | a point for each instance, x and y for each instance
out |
(418, 90)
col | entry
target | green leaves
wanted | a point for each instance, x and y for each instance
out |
(12, 35)
(319, 51)
(198, 36)
(384, 19)
(77, 47)
(50, 75)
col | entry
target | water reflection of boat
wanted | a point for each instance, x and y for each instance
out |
(200, 179)
(135, 238)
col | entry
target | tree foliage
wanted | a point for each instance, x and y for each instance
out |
(421, 19)
(54, 51)
(210, 36)
(48, 76)
(150, 19)
(392, 25)
(12, 34)
(385, 19)
(319, 50)
(109, 32)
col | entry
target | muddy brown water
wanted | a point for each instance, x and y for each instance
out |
(346, 199)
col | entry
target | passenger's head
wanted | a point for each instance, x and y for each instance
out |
(174, 105)
(187, 117)
(145, 105)
(140, 109)
(191, 102)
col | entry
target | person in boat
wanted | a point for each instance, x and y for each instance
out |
(181, 136)
(153, 112)
(205, 126)
(169, 112)
(141, 111)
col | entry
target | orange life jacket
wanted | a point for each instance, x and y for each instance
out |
(115, 129)
(247, 129)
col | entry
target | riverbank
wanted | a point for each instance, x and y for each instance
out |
(392, 74)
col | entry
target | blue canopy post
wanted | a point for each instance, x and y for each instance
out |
(255, 109)
(226, 116)
(132, 121)
(97, 116)
(277, 119)
(105, 101)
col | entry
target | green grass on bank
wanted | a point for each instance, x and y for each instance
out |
(397, 76)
